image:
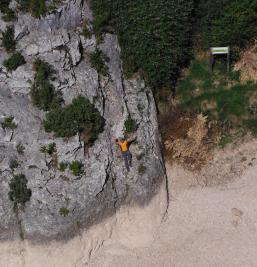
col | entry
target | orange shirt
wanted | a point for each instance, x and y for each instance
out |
(123, 146)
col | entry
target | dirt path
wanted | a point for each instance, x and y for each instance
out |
(211, 222)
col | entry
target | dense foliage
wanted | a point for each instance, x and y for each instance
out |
(154, 35)
(227, 22)
(14, 61)
(43, 93)
(7, 38)
(79, 117)
(19, 192)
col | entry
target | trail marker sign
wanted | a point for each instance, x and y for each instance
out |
(219, 51)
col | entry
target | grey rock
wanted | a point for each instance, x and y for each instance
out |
(105, 184)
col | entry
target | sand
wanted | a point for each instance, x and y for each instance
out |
(203, 226)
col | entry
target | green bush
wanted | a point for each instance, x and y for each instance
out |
(19, 193)
(63, 166)
(97, 61)
(49, 149)
(43, 93)
(8, 39)
(155, 35)
(38, 8)
(13, 164)
(8, 123)
(76, 167)
(130, 125)
(14, 61)
(64, 212)
(78, 117)
(20, 148)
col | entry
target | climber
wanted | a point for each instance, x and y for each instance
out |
(124, 147)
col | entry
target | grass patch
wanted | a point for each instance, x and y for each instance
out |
(50, 149)
(63, 165)
(8, 123)
(220, 95)
(14, 61)
(76, 167)
(64, 212)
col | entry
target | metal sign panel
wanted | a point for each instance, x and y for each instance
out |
(219, 50)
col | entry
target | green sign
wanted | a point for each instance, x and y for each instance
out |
(219, 50)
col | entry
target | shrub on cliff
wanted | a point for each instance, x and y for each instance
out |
(19, 192)
(79, 117)
(7, 38)
(8, 13)
(97, 61)
(14, 61)
(43, 93)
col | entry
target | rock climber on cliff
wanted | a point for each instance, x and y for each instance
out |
(124, 147)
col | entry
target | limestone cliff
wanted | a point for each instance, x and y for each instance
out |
(105, 184)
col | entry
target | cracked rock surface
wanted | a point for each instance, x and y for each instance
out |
(105, 185)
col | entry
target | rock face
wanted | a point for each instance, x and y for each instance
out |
(105, 185)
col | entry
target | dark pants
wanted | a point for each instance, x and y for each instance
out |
(127, 159)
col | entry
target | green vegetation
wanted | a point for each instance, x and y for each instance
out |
(63, 166)
(130, 125)
(20, 148)
(49, 149)
(8, 14)
(14, 61)
(154, 35)
(8, 123)
(7, 38)
(220, 96)
(76, 167)
(43, 93)
(86, 32)
(64, 212)
(37, 8)
(232, 25)
(78, 117)
(19, 193)
(13, 164)
(97, 61)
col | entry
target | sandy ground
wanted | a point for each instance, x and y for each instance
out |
(205, 225)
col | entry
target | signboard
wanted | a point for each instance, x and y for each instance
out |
(219, 50)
